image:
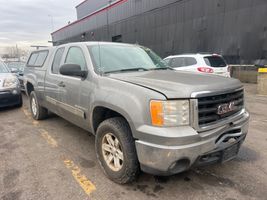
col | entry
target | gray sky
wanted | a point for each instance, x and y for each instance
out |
(29, 22)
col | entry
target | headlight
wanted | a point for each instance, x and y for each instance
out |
(10, 82)
(169, 113)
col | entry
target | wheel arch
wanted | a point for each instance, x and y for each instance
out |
(29, 88)
(102, 112)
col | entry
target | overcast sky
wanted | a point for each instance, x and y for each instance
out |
(29, 22)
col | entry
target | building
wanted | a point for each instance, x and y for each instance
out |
(236, 29)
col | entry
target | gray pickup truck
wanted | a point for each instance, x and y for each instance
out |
(144, 115)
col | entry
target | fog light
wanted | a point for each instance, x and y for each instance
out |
(14, 92)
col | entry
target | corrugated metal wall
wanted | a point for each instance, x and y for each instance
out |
(236, 29)
(89, 6)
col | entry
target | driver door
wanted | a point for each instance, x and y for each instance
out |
(70, 88)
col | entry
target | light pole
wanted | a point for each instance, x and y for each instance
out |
(52, 22)
(109, 3)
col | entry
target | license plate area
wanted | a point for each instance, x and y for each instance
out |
(230, 152)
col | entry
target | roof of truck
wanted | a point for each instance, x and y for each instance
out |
(96, 43)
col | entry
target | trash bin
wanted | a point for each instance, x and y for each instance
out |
(262, 81)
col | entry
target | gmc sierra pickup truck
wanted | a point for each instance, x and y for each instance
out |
(144, 115)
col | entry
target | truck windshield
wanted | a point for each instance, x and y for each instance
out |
(117, 58)
(3, 68)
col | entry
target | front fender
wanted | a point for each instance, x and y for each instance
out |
(129, 100)
(115, 108)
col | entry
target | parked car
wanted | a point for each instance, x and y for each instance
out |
(144, 115)
(10, 94)
(18, 69)
(201, 63)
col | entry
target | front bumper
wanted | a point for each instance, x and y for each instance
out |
(21, 83)
(10, 97)
(164, 152)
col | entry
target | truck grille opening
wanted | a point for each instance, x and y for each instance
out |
(208, 107)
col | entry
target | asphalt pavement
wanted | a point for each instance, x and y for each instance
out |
(54, 159)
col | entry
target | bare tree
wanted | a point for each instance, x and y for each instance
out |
(15, 52)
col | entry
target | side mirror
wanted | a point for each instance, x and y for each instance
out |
(21, 73)
(72, 70)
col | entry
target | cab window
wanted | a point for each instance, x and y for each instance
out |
(75, 56)
(37, 59)
(33, 59)
(57, 60)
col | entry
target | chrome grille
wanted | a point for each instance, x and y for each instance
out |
(208, 107)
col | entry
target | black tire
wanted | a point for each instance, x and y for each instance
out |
(41, 112)
(130, 165)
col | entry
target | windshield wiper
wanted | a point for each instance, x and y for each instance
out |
(127, 70)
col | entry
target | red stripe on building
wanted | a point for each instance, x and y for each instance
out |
(89, 16)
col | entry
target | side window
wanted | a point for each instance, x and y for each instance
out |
(75, 56)
(215, 61)
(57, 60)
(41, 59)
(177, 62)
(190, 61)
(37, 59)
(32, 59)
(168, 61)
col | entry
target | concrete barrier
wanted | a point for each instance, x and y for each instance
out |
(245, 73)
(262, 81)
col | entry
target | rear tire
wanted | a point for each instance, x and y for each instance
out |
(38, 112)
(114, 142)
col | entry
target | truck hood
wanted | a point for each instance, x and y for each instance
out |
(178, 84)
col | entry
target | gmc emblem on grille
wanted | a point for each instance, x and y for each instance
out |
(226, 108)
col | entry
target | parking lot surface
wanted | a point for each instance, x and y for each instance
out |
(53, 159)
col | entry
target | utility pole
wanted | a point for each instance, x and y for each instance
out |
(17, 52)
(52, 22)
(109, 3)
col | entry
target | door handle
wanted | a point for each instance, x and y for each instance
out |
(61, 84)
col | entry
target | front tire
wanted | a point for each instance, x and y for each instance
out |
(38, 112)
(115, 150)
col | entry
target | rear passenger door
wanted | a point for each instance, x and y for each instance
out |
(70, 91)
(53, 82)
